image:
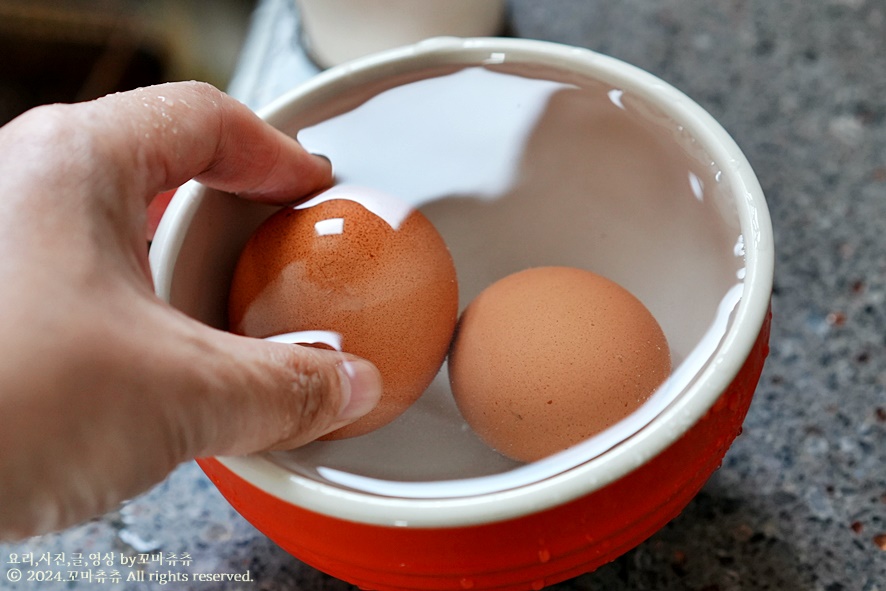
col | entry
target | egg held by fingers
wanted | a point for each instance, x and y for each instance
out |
(362, 265)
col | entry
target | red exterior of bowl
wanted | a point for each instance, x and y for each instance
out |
(528, 552)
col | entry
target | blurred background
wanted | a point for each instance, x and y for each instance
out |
(72, 50)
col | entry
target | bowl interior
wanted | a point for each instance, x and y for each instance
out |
(517, 163)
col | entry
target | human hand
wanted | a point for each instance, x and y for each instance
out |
(104, 389)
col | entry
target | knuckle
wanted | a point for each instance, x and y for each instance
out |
(50, 125)
(311, 405)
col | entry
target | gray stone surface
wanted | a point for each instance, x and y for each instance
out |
(800, 501)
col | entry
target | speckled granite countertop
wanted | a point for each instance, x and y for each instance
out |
(800, 501)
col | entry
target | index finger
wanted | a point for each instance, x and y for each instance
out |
(177, 131)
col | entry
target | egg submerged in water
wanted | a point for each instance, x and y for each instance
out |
(362, 264)
(549, 356)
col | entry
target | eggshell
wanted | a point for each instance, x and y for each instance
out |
(549, 356)
(363, 265)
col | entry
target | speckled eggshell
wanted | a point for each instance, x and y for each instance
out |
(378, 274)
(547, 357)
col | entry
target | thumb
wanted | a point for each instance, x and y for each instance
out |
(252, 395)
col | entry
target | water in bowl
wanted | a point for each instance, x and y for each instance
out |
(520, 166)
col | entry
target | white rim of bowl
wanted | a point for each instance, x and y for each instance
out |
(591, 475)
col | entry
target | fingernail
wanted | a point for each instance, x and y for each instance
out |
(322, 156)
(364, 385)
(326, 163)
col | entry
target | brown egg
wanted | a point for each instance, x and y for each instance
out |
(549, 356)
(364, 266)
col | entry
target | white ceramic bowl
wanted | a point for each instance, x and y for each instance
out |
(522, 153)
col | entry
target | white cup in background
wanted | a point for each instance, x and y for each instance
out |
(335, 31)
